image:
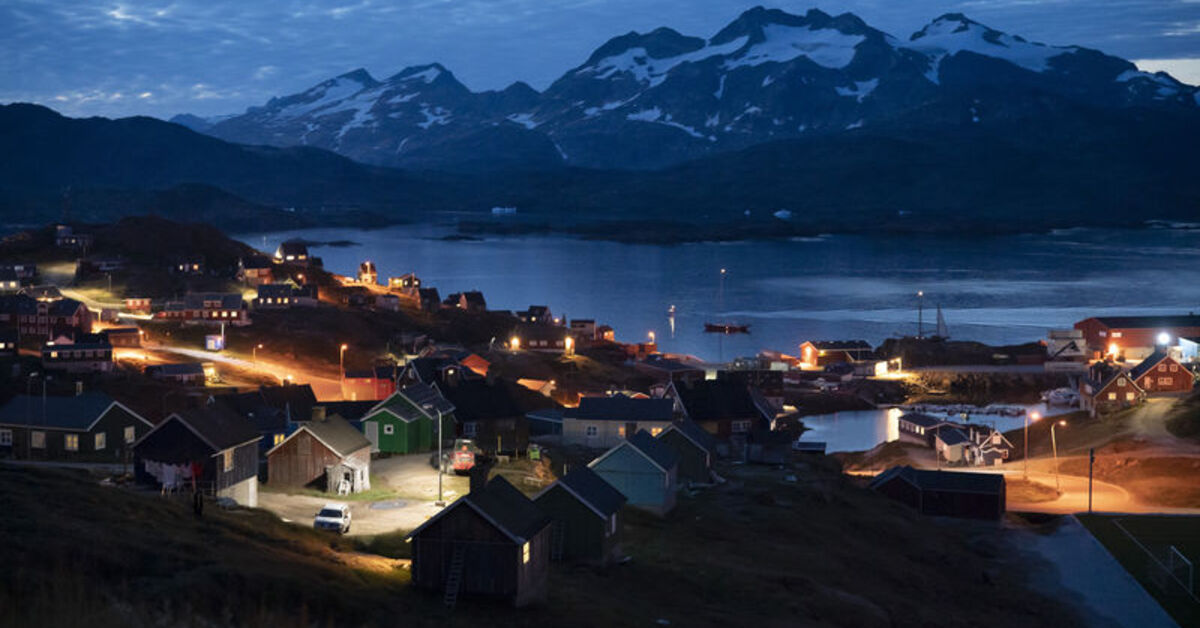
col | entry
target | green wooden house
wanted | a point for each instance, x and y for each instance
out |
(406, 422)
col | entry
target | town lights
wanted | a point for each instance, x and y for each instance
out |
(342, 360)
(1054, 444)
(1031, 416)
(514, 343)
(569, 344)
(1164, 339)
(1113, 349)
(651, 336)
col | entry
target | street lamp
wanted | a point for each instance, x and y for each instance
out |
(441, 462)
(1054, 445)
(342, 360)
(1028, 416)
(920, 313)
(651, 337)
(254, 351)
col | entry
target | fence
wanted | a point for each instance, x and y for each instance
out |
(1168, 569)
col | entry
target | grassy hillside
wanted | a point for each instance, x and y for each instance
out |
(759, 550)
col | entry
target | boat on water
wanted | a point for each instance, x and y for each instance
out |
(725, 328)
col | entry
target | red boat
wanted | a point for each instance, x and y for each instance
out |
(725, 328)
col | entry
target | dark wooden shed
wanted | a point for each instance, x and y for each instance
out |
(695, 448)
(221, 443)
(945, 493)
(494, 542)
(587, 516)
(326, 453)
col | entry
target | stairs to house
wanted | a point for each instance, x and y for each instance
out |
(454, 578)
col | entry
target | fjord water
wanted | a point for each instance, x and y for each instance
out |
(994, 289)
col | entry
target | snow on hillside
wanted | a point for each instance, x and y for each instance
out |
(826, 47)
(951, 34)
(646, 69)
(323, 95)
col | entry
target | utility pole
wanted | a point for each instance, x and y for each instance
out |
(1091, 461)
(920, 314)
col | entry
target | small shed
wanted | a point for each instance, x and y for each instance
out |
(327, 453)
(695, 448)
(945, 493)
(586, 513)
(213, 443)
(644, 470)
(493, 542)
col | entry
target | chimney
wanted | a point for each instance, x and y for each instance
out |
(318, 413)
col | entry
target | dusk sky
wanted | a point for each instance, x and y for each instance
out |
(84, 57)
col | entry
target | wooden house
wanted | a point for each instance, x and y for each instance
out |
(374, 384)
(128, 337)
(89, 427)
(292, 252)
(471, 301)
(540, 337)
(406, 422)
(493, 412)
(695, 448)
(725, 408)
(951, 444)
(326, 452)
(1162, 373)
(10, 283)
(825, 352)
(207, 308)
(664, 369)
(44, 317)
(10, 342)
(285, 295)
(138, 304)
(918, 428)
(644, 470)
(1134, 337)
(604, 422)
(430, 300)
(944, 493)
(1107, 388)
(185, 373)
(536, 315)
(493, 542)
(586, 514)
(87, 353)
(213, 444)
(255, 270)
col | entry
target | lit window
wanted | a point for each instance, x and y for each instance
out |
(1162, 368)
(130, 434)
(1112, 396)
(1165, 381)
(655, 431)
(1129, 396)
(592, 430)
(389, 429)
(6, 438)
(1116, 334)
(1174, 367)
(621, 431)
(228, 459)
(71, 442)
(278, 438)
(1121, 382)
(526, 551)
(101, 440)
(38, 440)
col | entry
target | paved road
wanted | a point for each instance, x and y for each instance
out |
(326, 388)
(1105, 497)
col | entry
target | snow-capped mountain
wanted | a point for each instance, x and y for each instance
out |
(654, 99)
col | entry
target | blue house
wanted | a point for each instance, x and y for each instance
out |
(644, 470)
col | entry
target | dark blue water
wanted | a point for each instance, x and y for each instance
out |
(992, 289)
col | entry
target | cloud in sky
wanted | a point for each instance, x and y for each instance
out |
(158, 57)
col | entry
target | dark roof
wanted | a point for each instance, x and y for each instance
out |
(64, 307)
(42, 292)
(1144, 366)
(429, 293)
(1101, 374)
(196, 300)
(276, 290)
(952, 436)
(594, 490)
(338, 434)
(349, 410)
(299, 399)
(621, 408)
(924, 420)
(1148, 322)
(697, 434)
(948, 481)
(654, 449)
(256, 261)
(68, 413)
(184, 368)
(660, 362)
(427, 398)
(474, 298)
(542, 331)
(516, 515)
(478, 400)
(427, 368)
(842, 345)
(294, 247)
(217, 424)
(718, 399)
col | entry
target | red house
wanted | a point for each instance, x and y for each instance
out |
(1107, 388)
(1161, 373)
(823, 352)
(1134, 336)
(375, 384)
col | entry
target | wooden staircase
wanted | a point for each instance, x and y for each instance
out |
(454, 578)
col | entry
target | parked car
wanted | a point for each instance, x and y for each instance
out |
(333, 517)
(460, 458)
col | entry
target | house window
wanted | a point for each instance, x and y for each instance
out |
(1112, 396)
(37, 440)
(71, 442)
(1165, 381)
(1116, 334)
(278, 438)
(592, 430)
(227, 456)
(1121, 382)
(655, 431)
(101, 439)
(6, 438)
(1129, 396)
(130, 434)
(389, 429)
(740, 427)
(470, 429)
(1162, 368)
(526, 552)
(1174, 367)
(620, 431)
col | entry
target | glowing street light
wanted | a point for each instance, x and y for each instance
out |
(1054, 444)
(652, 337)
(514, 343)
(342, 360)
(1164, 339)
(1029, 416)
(254, 351)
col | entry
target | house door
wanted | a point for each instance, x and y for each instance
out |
(372, 431)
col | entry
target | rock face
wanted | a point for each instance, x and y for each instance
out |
(662, 98)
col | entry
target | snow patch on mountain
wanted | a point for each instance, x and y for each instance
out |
(648, 70)
(402, 98)
(951, 34)
(645, 115)
(592, 112)
(321, 96)
(524, 119)
(428, 75)
(436, 115)
(825, 47)
(720, 87)
(861, 89)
